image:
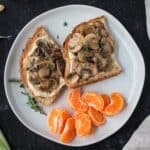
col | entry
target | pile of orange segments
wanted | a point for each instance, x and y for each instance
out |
(90, 110)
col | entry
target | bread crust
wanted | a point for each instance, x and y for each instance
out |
(40, 31)
(115, 71)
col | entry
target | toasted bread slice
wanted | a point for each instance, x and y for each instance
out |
(89, 52)
(42, 67)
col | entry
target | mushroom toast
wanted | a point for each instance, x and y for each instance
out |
(42, 67)
(89, 53)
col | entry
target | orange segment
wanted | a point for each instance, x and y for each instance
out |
(63, 116)
(96, 117)
(83, 124)
(75, 101)
(53, 120)
(69, 131)
(56, 120)
(116, 105)
(106, 99)
(93, 99)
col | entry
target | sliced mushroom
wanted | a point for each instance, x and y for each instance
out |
(92, 41)
(60, 66)
(37, 52)
(33, 68)
(74, 64)
(89, 68)
(94, 69)
(85, 73)
(30, 62)
(110, 41)
(85, 56)
(98, 36)
(33, 77)
(89, 29)
(80, 29)
(56, 55)
(99, 24)
(43, 48)
(55, 74)
(75, 43)
(103, 32)
(101, 62)
(107, 49)
(44, 72)
(73, 78)
(53, 83)
(44, 84)
(103, 41)
(96, 58)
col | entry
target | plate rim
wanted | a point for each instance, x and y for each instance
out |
(10, 52)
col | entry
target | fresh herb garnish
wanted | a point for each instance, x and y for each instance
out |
(89, 59)
(51, 67)
(31, 101)
(33, 105)
(21, 85)
(57, 36)
(65, 24)
(85, 46)
(14, 80)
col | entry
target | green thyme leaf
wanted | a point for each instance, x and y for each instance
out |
(65, 24)
(51, 67)
(33, 104)
(21, 85)
(85, 46)
(57, 36)
(31, 101)
(14, 80)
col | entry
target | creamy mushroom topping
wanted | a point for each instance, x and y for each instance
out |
(45, 68)
(90, 50)
(40, 76)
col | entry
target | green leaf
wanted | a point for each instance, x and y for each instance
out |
(51, 67)
(33, 104)
(14, 80)
(21, 85)
(65, 24)
(85, 46)
(57, 36)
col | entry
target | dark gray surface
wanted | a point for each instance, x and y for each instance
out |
(130, 12)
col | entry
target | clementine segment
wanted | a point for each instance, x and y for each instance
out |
(93, 99)
(116, 105)
(53, 120)
(106, 100)
(83, 124)
(56, 120)
(63, 116)
(75, 101)
(96, 116)
(69, 131)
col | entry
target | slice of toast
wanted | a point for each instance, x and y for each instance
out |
(42, 67)
(89, 53)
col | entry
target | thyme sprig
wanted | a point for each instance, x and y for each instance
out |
(31, 101)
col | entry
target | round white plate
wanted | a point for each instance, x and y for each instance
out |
(129, 82)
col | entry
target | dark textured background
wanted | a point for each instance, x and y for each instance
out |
(18, 12)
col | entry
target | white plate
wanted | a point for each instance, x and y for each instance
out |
(129, 83)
